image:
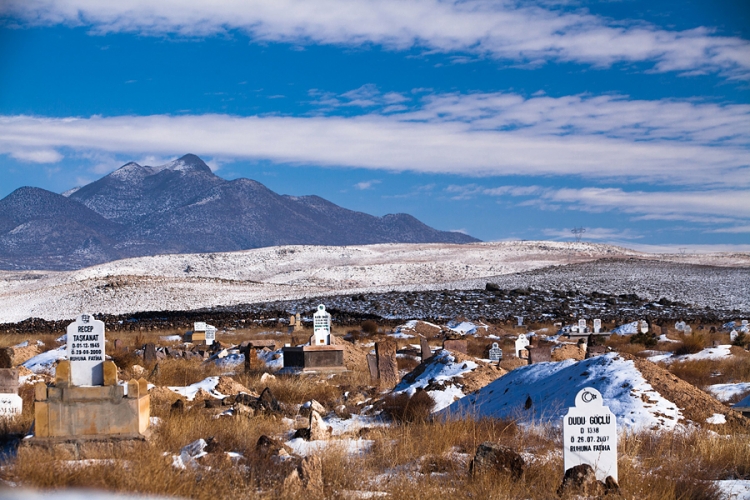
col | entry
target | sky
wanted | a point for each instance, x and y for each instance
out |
(504, 120)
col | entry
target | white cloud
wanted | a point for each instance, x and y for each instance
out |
(497, 29)
(35, 155)
(366, 184)
(671, 142)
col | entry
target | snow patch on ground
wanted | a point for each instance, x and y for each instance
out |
(718, 352)
(716, 419)
(208, 385)
(350, 446)
(725, 392)
(626, 329)
(552, 387)
(734, 489)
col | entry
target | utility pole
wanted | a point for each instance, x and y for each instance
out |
(578, 231)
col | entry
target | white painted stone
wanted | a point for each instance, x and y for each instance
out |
(521, 344)
(590, 435)
(597, 325)
(321, 327)
(210, 334)
(11, 405)
(496, 354)
(85, 350)
(582, 326)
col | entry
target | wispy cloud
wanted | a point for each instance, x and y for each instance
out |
(502, 30)
(698, 147)
(366, 184)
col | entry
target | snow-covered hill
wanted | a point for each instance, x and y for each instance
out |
(192, 281)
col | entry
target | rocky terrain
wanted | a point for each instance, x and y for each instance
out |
(394, 281)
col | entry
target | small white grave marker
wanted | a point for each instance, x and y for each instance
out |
(644, 326)
(86, 350)
(199, 326)
(680, 326)
(582, 325)
(520, 320)
(210, 334)
(521, 344)
(590, 435)
(733, 335)
(496, 353)
(11, 405)
(597, 325)
(745, 324)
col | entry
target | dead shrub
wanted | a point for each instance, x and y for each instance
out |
(369, 327)
(404, 408)
(406, 363)
(695, 342)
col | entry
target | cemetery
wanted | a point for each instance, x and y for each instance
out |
(287, 405)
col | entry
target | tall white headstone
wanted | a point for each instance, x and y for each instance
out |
(590, 435)
(321, 327)
(597, 325)
(11, 405)
(85, 350)
(210, 334)
(582, 326)
(520, 320)
(521, 344)
(496, 354)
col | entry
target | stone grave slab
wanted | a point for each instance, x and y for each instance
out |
(590, 435)
(425, 348)
(9, 380)
(387, 364)
(495, 353)
(85, 350)
(582, 325)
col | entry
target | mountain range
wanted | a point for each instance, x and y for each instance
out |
(181, 207)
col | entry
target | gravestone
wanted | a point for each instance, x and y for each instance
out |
(9, 380)
(210, 334)
(297, 322)
(733, 335)
(292, 320)
(455, 345)
(643, 324)
(387, 364)
(118, 345)
(687, 330)
(582, 325)
(680, 326)
(520, 320)
(495, 353)
(85, 350)
(149, 354)
(590, 435)
(425, 348)
(11, 405)
(521, 344)
(540, 354)
(372, 365)
(597, 325)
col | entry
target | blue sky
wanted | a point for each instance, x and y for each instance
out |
(506, 120)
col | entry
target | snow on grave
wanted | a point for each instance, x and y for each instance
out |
(590, 435)
(541, 394)
(464, 327)
(44, 363)
(627, 329)
(718, 352)
(439, 371)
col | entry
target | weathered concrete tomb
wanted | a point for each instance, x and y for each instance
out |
(86, 403)
(320, 354)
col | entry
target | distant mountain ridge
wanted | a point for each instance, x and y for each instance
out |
(181, 207)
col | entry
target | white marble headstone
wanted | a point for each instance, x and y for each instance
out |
(590, 435)
(643, 326)
(199, 326)
(520, 320)
(210, 334)
(679, 326)
(85, 350)
(733, 335)
(582, 325)
(521, 344)
(597, 325)
(11, 405)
